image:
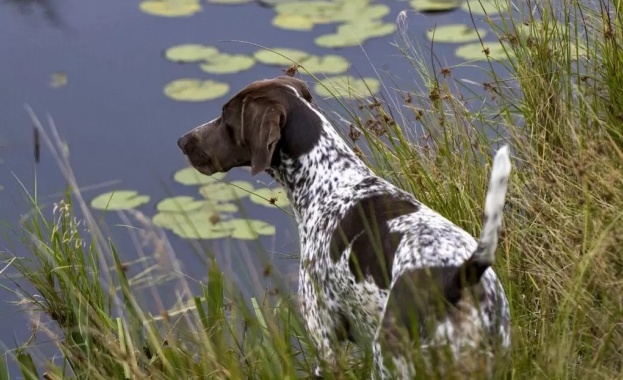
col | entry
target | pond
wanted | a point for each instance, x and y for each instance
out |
(122, 80)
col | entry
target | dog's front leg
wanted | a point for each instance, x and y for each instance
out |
(320, 319)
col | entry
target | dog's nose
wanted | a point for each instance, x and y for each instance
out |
(182, 142)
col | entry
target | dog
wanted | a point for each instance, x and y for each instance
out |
(377, 266)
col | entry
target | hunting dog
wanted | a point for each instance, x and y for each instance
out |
(377, 266)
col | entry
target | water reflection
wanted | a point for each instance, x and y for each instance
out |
(45, 8)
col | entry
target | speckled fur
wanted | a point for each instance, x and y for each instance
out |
(322, 185)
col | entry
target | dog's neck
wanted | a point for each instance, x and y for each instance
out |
(329, 168)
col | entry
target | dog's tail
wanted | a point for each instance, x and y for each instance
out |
(482, 258)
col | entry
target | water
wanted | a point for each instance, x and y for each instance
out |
(117, 122)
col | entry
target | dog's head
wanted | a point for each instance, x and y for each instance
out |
(249, 128)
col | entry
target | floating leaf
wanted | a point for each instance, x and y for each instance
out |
(328, 64)
(475, 51)
(270, 197)
(435, 5)
(58, 80)
(228, 64)
(190, 176)
(170, 8)
(229, 1)
(226, 191)
(305, 14)
(353, 34)
(484, 7)
(182, 203)
(201, 225)
(455, 33)
(344, 86)
(119, 200)
(293, 22)
(190, 53)
(316, 9)
(249, 229)
(197, 225)
(277, 56)
(195, 90)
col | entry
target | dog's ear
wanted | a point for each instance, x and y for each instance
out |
(260, 126)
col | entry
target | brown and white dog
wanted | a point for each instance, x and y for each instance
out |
(377, 266)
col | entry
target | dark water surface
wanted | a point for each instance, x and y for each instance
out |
(119, 125)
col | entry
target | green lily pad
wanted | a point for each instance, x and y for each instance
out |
(119, 200)
(190, 176)
(187, 204)
(195, 90)
(484, 7)
(58, 79)
(201, 225)
(435, 5)
(270, 198)
(280, 56)
(353, 34)
(293, 22)
(190, 53)
(456, 33)
(170, 8)
(182, 203)
(346, 86)
(228, 64)
(249, 229)
(304, 15)
(197, 225)
(316, 9)
(226, 191)
(232, 2)
(328, 64)
(475, 51)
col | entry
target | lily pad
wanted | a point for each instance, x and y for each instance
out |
(346, 86)
(328, 64)
(455, 33)
(170, 8)
(484, 7)
(304, 15)
(475, 51)
(293, 22)
(190, 53)
(58, 79)
(197, 225)
(229, 1)
(280, 56)
(179, 204)
(201, 225)
(316, 9)
(353, 34)
(187, 204)
(190, 176)
(119, 200)
(270, 197)
(249, 229)
(226, 191)
(227, 64)
(195, 90)
(435, 5)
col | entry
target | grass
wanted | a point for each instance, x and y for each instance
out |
(560, 105)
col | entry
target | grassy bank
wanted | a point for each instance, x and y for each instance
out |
(559, 104)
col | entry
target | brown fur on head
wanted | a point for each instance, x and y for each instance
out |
(248, 129)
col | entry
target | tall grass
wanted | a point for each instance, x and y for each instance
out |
(559, 103)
